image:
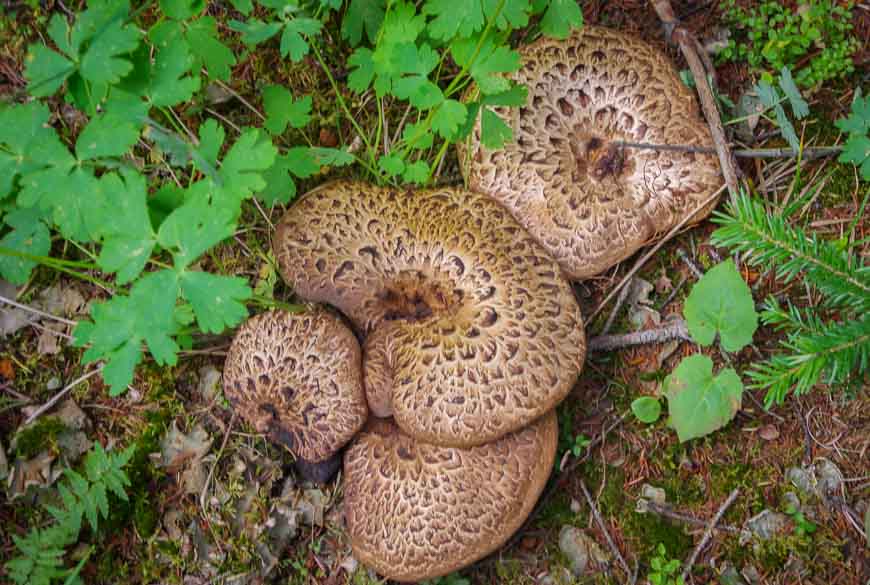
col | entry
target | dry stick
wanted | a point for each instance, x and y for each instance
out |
(677, 330)
(666, 512)
(36, 311)
(619, 302)
(806, 153)
(600, 522)
(708, 533)
(696, 270)
(204, 492)
(643, 260)
(56, 398)
(689, 47)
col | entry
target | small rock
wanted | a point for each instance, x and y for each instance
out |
(580, 550)
(821, 478)
(349, 564)
(575, 506)
(751, 574)
(215, 93)
(763, 526)
(768, 432)
(209, 383)
(53, 383)
(653, 494)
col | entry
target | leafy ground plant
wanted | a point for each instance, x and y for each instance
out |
(83, 496)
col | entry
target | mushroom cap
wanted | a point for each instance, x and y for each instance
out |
(590, 202)
(485, 334)
(417, 511)
(298, 378)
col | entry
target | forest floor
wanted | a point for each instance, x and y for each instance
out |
(204, 486)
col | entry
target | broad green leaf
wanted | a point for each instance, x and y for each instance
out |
(402, 24)
(416, 172)
(508, 14)
(46, 70)
(392, 164)
(856, 150)
(216, 299)
(647, 409)
(362, 15)
(363, 72)
(858, 120)
(452, 18)
(448, 118)
(331, 156)
(494, 133)
(516, 96)
(181, 9)
(73, 195)
(211, 138)
(698, 402)
(29, 144)
(281, 109)
(242, 167)
(560, 18)
(29, 235)
(170, 83)
(255, 31)
(293, 41)
(106, 135)
(298, 161)
(418, 135)
(128, 237)
(208, 50)
(104, 60)
(193, 228)
(243, 6)
(721, 302)
(487, 64)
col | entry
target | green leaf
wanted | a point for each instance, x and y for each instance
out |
(452, 18)
(516, 96)
(856, 150)
(46, 70)
(207, 49)
(418, 135)
(363, 72)
(508, 14)
(75, 199)
(698, 403)
(491, 61)
(30, 144)
(211, 138)
(128, 237)
(448, 118)
(193, 228)
(494, 133)
(858, 120)
(416, 172)
(170, 83)
(281, 109)
(29, 235)
(255, 31)
(106, 135)
(560, 18)
(721, 302)
(392, 164)
(331, 156)
(104, 61)
(242, 167)
(647, 409)
(799, 106)
(362, 15)
(216, 299)
(181, 9)
(243, 6)
(298, 161)
(293, 42)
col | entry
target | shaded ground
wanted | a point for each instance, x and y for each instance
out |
(171, 533)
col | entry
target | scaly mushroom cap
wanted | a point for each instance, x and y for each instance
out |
(589, 202)
(298, 378)
(485, 335)
(416, 511)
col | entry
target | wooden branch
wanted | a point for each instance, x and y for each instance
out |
(691, 50)
(677, 330)
(708, 533)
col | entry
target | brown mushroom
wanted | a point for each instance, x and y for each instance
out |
(417, 511)
(590, 201)
(298, 378)
(484, 333)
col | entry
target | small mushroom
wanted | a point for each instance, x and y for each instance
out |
(590, 200)
(417, 511)
(483, 332)
(297, 377)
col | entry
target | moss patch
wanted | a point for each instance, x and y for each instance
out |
(39, 437)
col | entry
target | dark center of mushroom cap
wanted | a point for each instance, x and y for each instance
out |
(597, 157)
(415, 295)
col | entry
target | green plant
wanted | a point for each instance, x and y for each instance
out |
(451, 579)
(803, 527)
(646, 409)
(139, 200)
(856, 150)
(771, 36)
(831, 339)
(663, 569)
(772, 100)
(83, 496)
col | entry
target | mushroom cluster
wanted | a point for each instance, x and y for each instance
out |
(469, 328)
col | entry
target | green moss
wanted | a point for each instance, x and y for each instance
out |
(39, 437)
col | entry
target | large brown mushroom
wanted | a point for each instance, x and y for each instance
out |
(590, 201)
(417, 511)
(298, 378)
(484, 335)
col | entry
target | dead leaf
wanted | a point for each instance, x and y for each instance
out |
(49, 343)
(61, 300)
(36, 472)
(664, 285)
(6, 369)
(183, 453)
(768, 432)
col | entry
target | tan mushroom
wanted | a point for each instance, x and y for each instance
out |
(297, 377)
(484, 333)
(416, 511)
(589, 201)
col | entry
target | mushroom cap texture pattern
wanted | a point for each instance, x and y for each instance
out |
(417, 511)
(298, 377)
(589, 202)
(485, 334)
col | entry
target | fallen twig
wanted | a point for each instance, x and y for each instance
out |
(708, 533)
(601, 525)
(808, 153)
(619, 302)
(36, 311)
(56, 398)
(204, 493)
(696, 270)
(643, 259)
(691, 50)
(667, 512)
(677, 330)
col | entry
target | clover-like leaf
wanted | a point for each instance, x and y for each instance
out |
(721, 302)
(698, 402)
(647, 409)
